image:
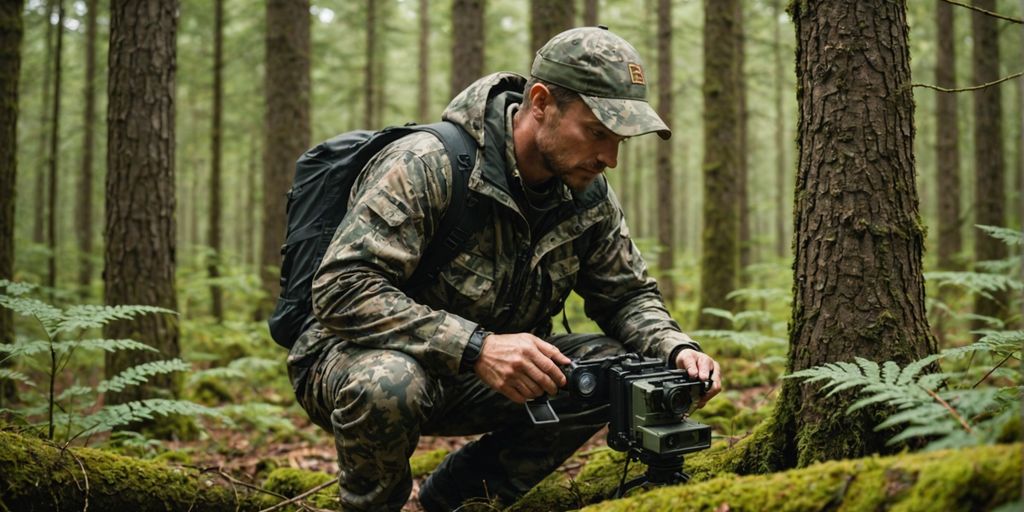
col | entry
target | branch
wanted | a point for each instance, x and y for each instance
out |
(301, 496)
(983, 11)
(950, 409)
(967, 89)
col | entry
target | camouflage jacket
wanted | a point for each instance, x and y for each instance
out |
(506, 279)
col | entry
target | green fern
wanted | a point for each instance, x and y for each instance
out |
(976, 282)
(951, 417)
(263, 417)
(238, 369)
(113, 416)
(1008, 236)
(139, 374)
(1003, 343)
(745, 339)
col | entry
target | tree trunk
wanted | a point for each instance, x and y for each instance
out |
(947, 147)
(83, 199)
(39, 218)
(423, 64)
(720, 250)
(746, 245)
(214, 234)
(52, 213)
(11, 34)
(286, 129)
(139, 262)
(467, 43)
(989, 161)
(370, 120)
(591, 11)
(548, 19)
(782, 241)
(858, 285)
(666, 212)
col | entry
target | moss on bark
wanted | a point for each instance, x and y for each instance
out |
(36, 476)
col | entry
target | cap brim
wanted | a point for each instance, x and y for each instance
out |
(626, 117)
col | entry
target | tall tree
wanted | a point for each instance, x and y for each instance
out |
(39, 217)
(54, 156)
(286, 128)
(548, 19)
(781, 240)
(989, 161)
(947, 146)
(467, 43)
(214, 235)
(83, 199)
(666, 209)
(591, 11)
(423, 65)
(858, 285)
(742, 169)
(370, 80)
(139, 254)
(11, 34)
(720, 249)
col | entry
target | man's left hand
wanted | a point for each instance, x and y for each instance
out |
(699, 365)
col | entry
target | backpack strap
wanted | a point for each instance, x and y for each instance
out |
(462, 219)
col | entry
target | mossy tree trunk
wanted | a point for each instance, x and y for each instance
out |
(286, 128)
(39, 213)
(858, 285)
(54, 155)
(216, 134)
(746, 243)
(11, 34)
(139, 261)
(84, 196)
(781, 144)
(720, 249)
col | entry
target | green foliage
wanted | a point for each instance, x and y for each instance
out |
(62, 408)
(979, 283)
(1008, 236)
(925, 406)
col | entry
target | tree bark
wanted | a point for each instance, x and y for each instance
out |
(591, 12)
(666, 211)
(858, 284)
(720, 248)
(214, 233)
(746, 244)
(548, 19)
(423, 64)
(370, 120)
(947, 147)
(11, 35)
(467, 43)
(782, 241)
(139, 261)
(989, 160)
(286, 130)
(39, 217)
(54, 155)
(83, 199)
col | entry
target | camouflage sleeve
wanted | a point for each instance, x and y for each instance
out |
(620, 295)
(393, 212)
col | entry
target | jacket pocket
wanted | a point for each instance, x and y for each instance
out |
(471, 277)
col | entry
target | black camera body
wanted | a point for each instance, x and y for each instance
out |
(647, 403)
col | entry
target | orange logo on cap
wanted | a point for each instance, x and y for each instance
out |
(636, 74)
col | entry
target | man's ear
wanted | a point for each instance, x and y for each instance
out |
(540, 100)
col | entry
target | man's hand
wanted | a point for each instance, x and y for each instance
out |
(699, 365)
(520, 366)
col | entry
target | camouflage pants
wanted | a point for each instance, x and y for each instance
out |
(377, 403)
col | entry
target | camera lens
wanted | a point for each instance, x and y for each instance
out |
(677, 400)
(586, 383)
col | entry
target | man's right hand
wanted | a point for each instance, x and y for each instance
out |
(520, 366)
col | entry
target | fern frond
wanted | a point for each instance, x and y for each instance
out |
(890, 372)
(772, 295)
(47, 315)
(910, 371)
(1007, 236)
(24, 348)
(1000, 342)
(746, 339)
(105, 345)
(82, 317)
(74, 392)
(220, 373)
(721, 313)
(944, 429)
(15, 288)
(141, 373)
(8, 374)
(976, 282)
(262, 416)
(113, 416)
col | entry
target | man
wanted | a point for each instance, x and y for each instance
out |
(460, 356)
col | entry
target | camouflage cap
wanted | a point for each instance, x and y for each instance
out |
(608, 74)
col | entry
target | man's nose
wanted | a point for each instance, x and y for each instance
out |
(609, 155)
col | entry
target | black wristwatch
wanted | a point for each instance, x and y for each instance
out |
(473, 349)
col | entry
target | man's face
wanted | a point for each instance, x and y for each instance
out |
(575, 147)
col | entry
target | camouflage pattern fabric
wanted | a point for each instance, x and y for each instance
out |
(380, 353)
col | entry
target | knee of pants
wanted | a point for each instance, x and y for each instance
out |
(388, 384)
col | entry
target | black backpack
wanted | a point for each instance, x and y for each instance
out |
(318, 200)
